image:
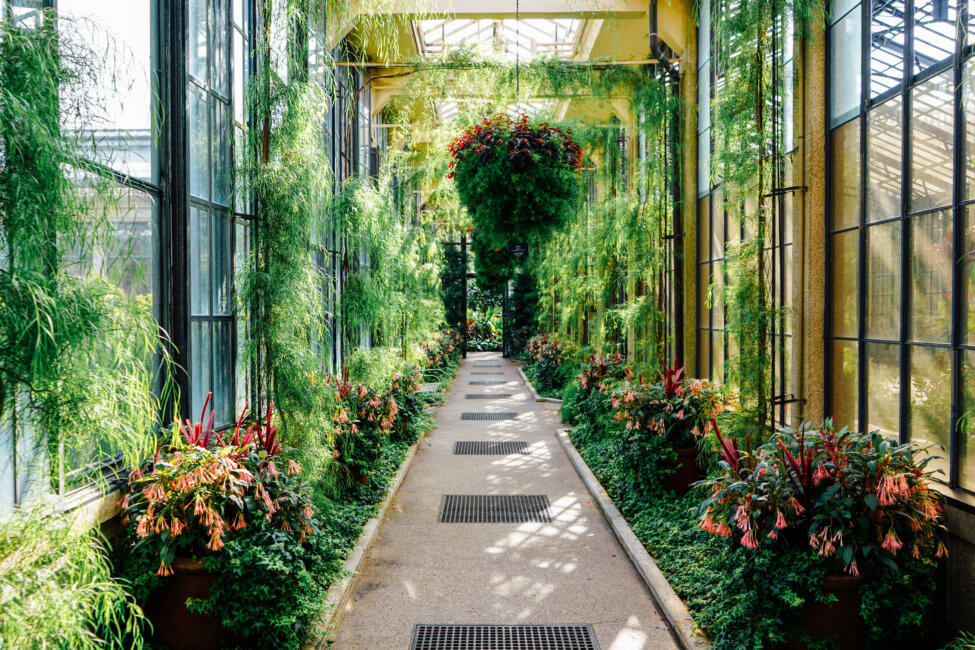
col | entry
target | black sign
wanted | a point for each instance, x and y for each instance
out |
(518, 251)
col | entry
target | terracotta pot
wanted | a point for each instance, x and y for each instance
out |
(839, 620)
(172, 622)
(360, 477)
(687, 472)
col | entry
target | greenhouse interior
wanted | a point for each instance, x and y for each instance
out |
(469, 325)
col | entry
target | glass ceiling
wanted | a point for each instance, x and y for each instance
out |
(448, 109)
(528, 37)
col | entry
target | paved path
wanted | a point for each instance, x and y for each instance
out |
(571, 571)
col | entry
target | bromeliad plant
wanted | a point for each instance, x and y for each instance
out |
(200, 492)
(678, 409)
(855, 497)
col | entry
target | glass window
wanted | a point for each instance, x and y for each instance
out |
(844, 78)
(845, 174)
(883, 280)
(844, 272)
(930, 402)
(844, 384)
(839, 8)
(934, 32)
(883, 388)
(968, 99)
(931, 262)
(968, 277)
(888, 44)
(884, 156)
(966, 427)
(932, 146)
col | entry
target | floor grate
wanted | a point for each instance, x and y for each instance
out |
(488, 416)
(481, 364)
(493, 508)
(487, 395)
(487, 372)
(503, 637)
(490, 447)
(487, 382)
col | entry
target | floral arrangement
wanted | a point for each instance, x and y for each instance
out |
(600, 372)
(363, 420)
(444, 350)
(205, 488)
(849, 496)
(676, 408)
(518, 181)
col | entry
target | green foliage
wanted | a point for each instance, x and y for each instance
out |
(57, 587)
(453, 275)
(392, 284)
(281, 289)
(78, 357)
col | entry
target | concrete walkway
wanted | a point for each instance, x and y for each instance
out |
(571, 571)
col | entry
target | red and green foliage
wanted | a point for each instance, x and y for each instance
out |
(850, 496)
(677, 408)
(517, 180)
(203, 490)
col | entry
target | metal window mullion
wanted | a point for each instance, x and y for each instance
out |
(904, 428)
(866, 17)
(958, 245)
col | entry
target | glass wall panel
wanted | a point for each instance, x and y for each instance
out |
(888, 45)
(845, 175)
(931, 265)
(966, 431)
(844, 269)
(968, 277)
(883, 280)
(932, 147)
(930, 402)
(844, 384)
(934, 32)
(883, 388)
(968, 114)
(844, 79)
(884, 156)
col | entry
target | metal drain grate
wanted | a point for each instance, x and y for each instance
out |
(488, 382)
(490, 447)
(487, 372)
(487, 395)
(503, 637)
(493, 508)
(488, 416)
(482, 364)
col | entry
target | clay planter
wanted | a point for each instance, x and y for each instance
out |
(360, 477)
(687, 472)
(839, 620)
(172, 622)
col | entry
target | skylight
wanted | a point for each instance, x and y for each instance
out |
(528, 38)
(448, 109)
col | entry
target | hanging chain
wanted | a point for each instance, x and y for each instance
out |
(517, 52)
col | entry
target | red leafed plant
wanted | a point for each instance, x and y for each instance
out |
(849, 496)
(201, 490)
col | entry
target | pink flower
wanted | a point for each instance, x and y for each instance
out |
(891, 542)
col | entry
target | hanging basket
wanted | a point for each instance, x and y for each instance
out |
(517, 180)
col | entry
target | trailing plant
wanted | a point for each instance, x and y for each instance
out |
(78, 357)
(57, 587)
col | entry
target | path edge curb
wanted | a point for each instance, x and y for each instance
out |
(531, 387)
(341, 590)
(685, 629)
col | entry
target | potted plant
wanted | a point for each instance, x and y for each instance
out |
(182, 507)
(677, 409)
(858, 501)
(363, 422)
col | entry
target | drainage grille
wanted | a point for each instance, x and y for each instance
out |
(493, 508)
(503, 637)
(488, 382)
(489, 447)
(482, 364)
(487, 395)
(484, 415)
(487, 372)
